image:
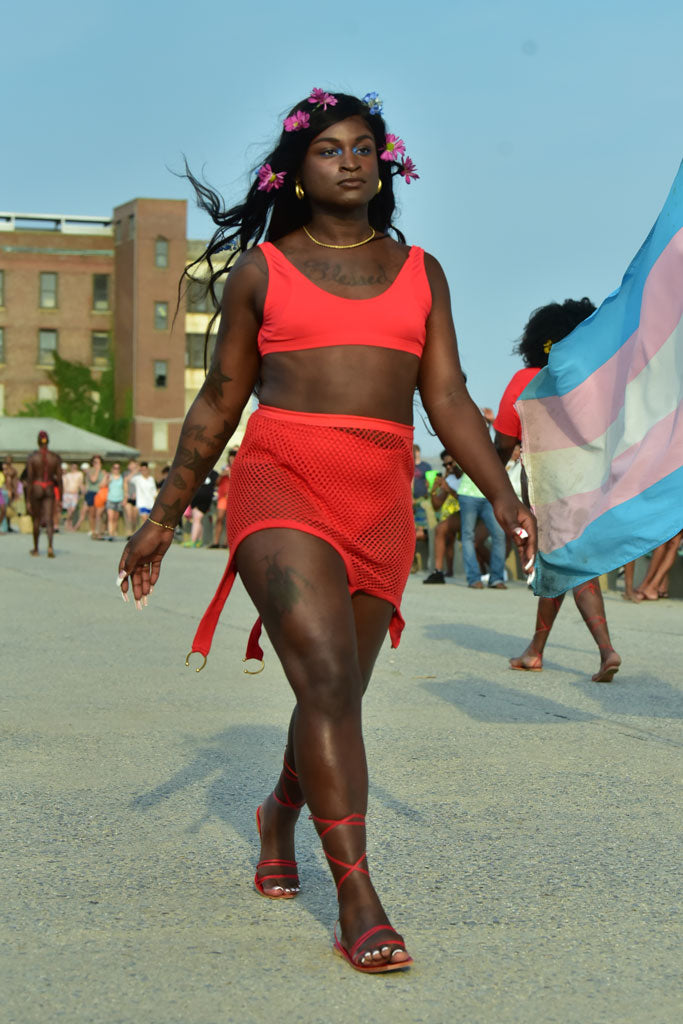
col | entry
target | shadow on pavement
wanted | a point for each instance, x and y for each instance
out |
(487, 701)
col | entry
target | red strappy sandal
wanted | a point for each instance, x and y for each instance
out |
(289, 867)
(351, 955)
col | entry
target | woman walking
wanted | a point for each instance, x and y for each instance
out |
(336, 323)
(547, 326)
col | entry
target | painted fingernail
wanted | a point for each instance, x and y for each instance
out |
(138, 605)
(125, 597)
(521, 533)
(144, 600)
(151, 590)
(530, 578)
(529, 565)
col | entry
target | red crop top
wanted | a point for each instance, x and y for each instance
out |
(298, 314)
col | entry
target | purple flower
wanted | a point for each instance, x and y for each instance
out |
(297, 121)
(408, 170)
(394, 147)
(268, 179)
(322, 99)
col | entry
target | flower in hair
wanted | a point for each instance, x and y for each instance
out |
(393, 147)
(322, 99)
(372, 100)
(408, 170)
(547, 345)
(269, 179)
(297, 121)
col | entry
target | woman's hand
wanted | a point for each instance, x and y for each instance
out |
(519, 524)
(141, 561)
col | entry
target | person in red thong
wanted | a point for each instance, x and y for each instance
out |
(337, 323)
(548, 325)
(43, 483)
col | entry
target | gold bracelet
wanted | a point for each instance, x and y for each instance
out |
(155, 523)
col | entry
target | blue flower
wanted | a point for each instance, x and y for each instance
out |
(372, 100)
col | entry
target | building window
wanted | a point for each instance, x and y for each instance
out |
(100, 292)
(161, 253)
(2, 344)
(2, 287)
(100, 348)
(198, 298)
(118, 232)
(48, 291)
(47, 393)
(47, 346)
(161, 315)
(160, 373)
(131, 226)
(160, 436)
(194, 351)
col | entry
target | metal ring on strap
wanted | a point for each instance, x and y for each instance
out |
(252, 672)
(187, 660)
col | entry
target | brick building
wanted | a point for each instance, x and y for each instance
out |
(93, 288)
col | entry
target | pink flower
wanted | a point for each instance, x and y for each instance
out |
(322, 99)
(297, 121)
(408, 170)
(394, 147)
(268, 179)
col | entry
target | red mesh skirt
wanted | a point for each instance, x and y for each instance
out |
(345, 479)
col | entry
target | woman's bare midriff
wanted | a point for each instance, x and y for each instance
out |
(351, 380)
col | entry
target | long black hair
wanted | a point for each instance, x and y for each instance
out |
(278, 212)
(549, 324)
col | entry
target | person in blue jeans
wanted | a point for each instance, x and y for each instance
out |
(474, 506)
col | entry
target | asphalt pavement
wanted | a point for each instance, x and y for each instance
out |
(524, 828)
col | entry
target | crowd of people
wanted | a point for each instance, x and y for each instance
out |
(112, 501)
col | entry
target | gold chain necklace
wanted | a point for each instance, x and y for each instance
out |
(327, 245)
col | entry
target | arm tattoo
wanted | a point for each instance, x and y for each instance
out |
(197, 433)
(177, 480)
(223, 434)
(215, 379)
(192, 460)
(173, 511)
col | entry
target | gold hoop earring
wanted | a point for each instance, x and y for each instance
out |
(298, 190)
(379, 186)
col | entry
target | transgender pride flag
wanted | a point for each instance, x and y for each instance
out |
(602, 424)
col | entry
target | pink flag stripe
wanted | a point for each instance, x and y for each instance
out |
(652, 395)
(631, 473)
(584, 414)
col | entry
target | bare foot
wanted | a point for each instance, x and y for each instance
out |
(34, 553)
(277, 844)
(646, 594)
(530, 661)
(609, 666)
(50, 553)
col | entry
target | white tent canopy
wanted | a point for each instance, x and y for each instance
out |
(19, 437)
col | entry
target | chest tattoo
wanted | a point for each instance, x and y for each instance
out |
(322, 270)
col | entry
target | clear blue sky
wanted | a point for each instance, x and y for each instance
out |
(546, 134)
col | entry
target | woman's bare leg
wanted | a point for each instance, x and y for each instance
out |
(588, 598)
(629, 570)
(298, 583)
(532, 658)
(652, 584)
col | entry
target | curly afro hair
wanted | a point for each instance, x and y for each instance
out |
(550, 323)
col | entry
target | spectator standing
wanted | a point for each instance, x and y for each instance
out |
(74, 485)
(130, 511)
(43, 479)
(115, 500)
(444, 498)
(95, 480)
(145, 491)
(200, 505)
